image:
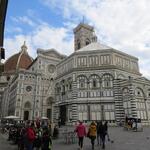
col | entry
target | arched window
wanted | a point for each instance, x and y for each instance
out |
(94, 81)
(70, 86)
(94, 84)
(69, 81)
(139, 93)
(81, 82)
(78, 44)
(107, 85)
(49, 101)
(107, 81)
(63, 87)
(27, 105)
(87, 42)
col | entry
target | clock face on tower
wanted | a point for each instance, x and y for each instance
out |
(51, 68)
(28, 88)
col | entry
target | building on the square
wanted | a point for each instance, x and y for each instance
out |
(11, 67)
(96, 82)
(29, 93)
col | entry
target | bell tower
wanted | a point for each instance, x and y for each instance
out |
(83, 35)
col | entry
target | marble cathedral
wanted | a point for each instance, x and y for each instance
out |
(96, 82)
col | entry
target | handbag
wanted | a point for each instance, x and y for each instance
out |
(88, 134)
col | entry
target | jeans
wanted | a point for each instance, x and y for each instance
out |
(103, 141)
(99, 141)
(93, 141)
(81, 142)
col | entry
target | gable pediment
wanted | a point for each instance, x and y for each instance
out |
(51, 52)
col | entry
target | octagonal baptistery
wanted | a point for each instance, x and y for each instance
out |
(89, 84)
(96, 56)
(21, 60)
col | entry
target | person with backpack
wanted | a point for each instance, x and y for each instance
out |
(30, 137)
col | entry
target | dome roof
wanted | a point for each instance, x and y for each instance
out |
(20, 60)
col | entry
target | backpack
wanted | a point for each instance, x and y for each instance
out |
(30, 135)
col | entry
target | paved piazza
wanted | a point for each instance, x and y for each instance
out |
(123, 140)
(4, 144)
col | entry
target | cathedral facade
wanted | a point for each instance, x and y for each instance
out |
(96, 82)
(29, 84)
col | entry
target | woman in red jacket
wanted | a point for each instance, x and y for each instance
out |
(81, 132)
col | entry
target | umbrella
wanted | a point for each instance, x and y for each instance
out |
(11, 117)
(44, 118)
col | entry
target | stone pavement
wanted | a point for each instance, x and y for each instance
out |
(4, 144)
(123, 140)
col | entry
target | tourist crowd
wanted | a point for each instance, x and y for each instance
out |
(33, 135)
(38, 135)
(99, 130)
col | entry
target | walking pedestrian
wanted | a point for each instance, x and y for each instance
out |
(99, 133)
(46, 140)
(30, 133)
(81, 132)
(55, 132)
(103, 132)
(38, 139)
(106, 130)
(23, 137)
(92, 133)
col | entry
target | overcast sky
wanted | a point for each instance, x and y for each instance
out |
(121, 24)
